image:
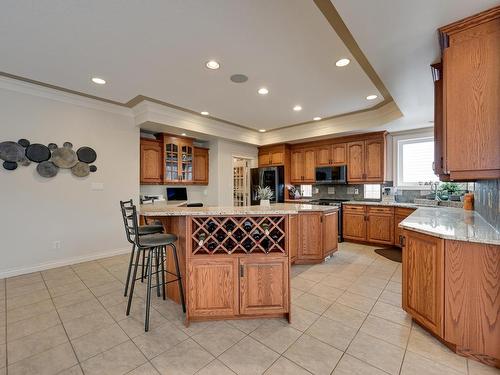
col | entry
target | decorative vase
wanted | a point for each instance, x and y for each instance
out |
(265, 202)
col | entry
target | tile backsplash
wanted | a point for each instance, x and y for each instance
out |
(487, 201)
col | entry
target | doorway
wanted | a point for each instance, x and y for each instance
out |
(241, 182)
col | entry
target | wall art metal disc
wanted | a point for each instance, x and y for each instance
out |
(86, 154)
(47, 169)
(24, 142)
(52, 146)
(64, 157)
(81, 169)
(68, 144)
(37, 152)
(11, 151)
(93, 168)
(10, 165)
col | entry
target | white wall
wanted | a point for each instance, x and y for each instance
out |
(36, 211)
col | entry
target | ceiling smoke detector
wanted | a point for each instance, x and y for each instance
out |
(239, 78)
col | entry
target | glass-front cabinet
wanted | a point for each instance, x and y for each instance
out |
(178, 159)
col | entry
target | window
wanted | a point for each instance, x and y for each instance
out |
(306, 190)
(372, 191)
(414, 162)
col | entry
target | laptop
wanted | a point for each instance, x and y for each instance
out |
(176, 194)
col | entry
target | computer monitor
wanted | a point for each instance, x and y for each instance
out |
(176, 194)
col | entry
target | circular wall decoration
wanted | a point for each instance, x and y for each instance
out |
(86, 154)
(47, 169)
(80, 169)
(64, 157)
(93, 168)
(68, 145)
(10, 165)
(52, 146)
(37, 152)
(24, 142)
(11, 151)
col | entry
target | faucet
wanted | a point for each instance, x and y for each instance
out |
(434, 189)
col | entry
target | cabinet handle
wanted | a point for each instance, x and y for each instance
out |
(242, 270)
(402, 240)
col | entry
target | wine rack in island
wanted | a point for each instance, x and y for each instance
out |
(238, 266)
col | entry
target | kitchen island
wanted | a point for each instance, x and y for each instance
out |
(235, 261)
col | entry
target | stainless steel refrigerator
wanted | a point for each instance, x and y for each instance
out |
(274, 177)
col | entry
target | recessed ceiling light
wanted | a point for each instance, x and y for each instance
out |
(343, 62)
(212, 64)
(98, 80)
(204, 113)
(297, 108)
(371, 97)
(263, 91)
(317, 118)
(262, 130)
(183, 134)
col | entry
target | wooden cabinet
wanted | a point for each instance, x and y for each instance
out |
(151, 161)
(471, 86)
(272, 155)
(423, 279)
(293, 237)
(213, 287)
(331, 155)
(438, 164)
(400, 214)
(380, 224)
(339, 153)
(178, 164)
(354, 222)
(200, 166)
(263, 285)
(330, 233)
(366, 160)
(310, 236)
(303, 166)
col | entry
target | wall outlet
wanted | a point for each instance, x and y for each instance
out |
(56, 245)
(356, 191)
(331, 189)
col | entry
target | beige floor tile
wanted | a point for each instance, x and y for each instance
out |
(337, 282)
(247, 325)
(332, 333)
(285, 366)
(325, 291)
(134, 327)
(295, 293)
(27, 299)
(29, 311)
(113, 286)
(112, 299)
(313, 355)
(392, 313)
(75, 370)
(145, 369)
(116, 361)
(376, 352)
(215, 367)
(16, 281)
(415, 364)
(312, 303)
(477, 368)
(72, 298)
(356, 301)
(99, 341)
(302, 284)
(391, 332)
(345, 315)
(424, 344)
(185, 358)
(302, 318)
(22, 290)
(3, 338)
(365, 290)
(159, 339)
(32, 325)
(312, 275)
(71, 287)
(391, 298)
(350, 365)
(276, 334)
(248, 357)
(394, 287)
(49, 362)
(88, 323)
(3, 355)
(219, 337)
(36, 343)
(80, 309)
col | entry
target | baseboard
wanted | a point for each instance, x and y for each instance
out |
(60, 263)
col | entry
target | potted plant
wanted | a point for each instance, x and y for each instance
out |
(447, 189)
(264, 194)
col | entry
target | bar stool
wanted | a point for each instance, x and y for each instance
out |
(143, 230)
(156, 246)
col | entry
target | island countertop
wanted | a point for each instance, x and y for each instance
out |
(160, 209)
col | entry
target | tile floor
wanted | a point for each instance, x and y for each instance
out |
(347, 319)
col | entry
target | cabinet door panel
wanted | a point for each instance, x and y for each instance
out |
(151, 162)
(355, 161)
(309, 171)
(263, 285)
(423, 279)
(374, 160)
(277, 158)
(339, 153)
(293, 236)
(264, 159)
(354, 226)
(310, 238)
(200, 166)
(297, 166)
(330, 233)
(323, 155)
(380, 228)
(213, 287)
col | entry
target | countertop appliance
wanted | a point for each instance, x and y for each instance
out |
(336, 203)
(274, 177)
(332, 175)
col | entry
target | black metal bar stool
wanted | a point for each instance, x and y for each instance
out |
(143, 230)
(156, 246)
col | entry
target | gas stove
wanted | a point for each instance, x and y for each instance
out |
(328, 202)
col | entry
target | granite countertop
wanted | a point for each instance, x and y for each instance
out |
(390, 204)
(452, 224)
(275, 209)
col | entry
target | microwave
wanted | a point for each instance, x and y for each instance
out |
(332, 175)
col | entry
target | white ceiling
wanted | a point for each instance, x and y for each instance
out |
(159, 48)
(400, 39)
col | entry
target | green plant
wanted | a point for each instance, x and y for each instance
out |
(264, 193)
(450, 187)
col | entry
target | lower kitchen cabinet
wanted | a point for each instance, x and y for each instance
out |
(423, 280)
(354, 222)
(380, 225)
(263, 285)
(400, 213)
(330, 233)
(293, 236)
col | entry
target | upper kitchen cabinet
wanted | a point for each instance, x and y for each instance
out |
(273, 155)
(178, 159)
(303, 166)
(151, 160)
(200, 166)
(366, 160)
(471, 93)
(331, 155)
